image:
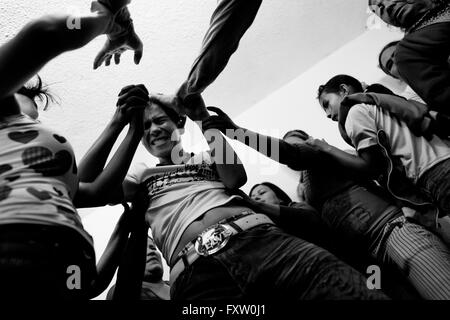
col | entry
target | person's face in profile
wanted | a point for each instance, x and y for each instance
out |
(331, 102)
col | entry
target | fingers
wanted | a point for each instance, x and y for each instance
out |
(165, 100)
(158, 98)
(138, 46)
(125, 89)
(214, 122)
(216, 110)
(135, 101)
(108, 60)
(138, 55)
(100, 58)
(117, 58)
(136, 91)
(143, 87)
(129, 87)
(134, 107)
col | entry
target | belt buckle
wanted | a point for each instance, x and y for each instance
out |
(213, 239)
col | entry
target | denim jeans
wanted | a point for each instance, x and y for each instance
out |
(359, 216)
(417, 254)
(267, 263)
(35, 264)
(436, 183)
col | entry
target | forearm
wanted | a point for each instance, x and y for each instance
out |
(94, 160)
(131, 270)
(228, 165)
(98, 192)
(298, 157)
(345, 161)
(110, 259)
(42, 40)
(412, 112)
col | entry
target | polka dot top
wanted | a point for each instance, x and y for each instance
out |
(38, 176)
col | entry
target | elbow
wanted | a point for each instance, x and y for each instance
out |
(236, 181)
(43, 28)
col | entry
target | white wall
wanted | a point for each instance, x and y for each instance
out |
(295, 105)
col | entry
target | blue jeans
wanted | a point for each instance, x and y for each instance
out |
(267, 263)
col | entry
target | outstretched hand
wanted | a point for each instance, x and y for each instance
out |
(115, 5)
(221, 121)
(168, 101)
(319, 144)
(121, 38)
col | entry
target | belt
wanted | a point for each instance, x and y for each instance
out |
(214, 238)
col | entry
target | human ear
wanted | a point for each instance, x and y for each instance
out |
(343, 89)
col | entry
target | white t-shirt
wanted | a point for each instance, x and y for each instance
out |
(417, 154)
(179, 195)
(410, 94)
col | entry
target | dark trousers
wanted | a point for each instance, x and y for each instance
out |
(422, 61)
(41, 263)
(267, 263)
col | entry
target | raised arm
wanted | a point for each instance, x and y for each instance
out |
(228, 24)
(132, 266)
(110, 259)
(98, 185)
(45, 38)
(228, 165)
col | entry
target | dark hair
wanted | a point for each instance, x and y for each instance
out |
(37, 90)
(303, 135)
(333, 85)
(379, 88)
(382, 67)
(180, 121)
(281, 195)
